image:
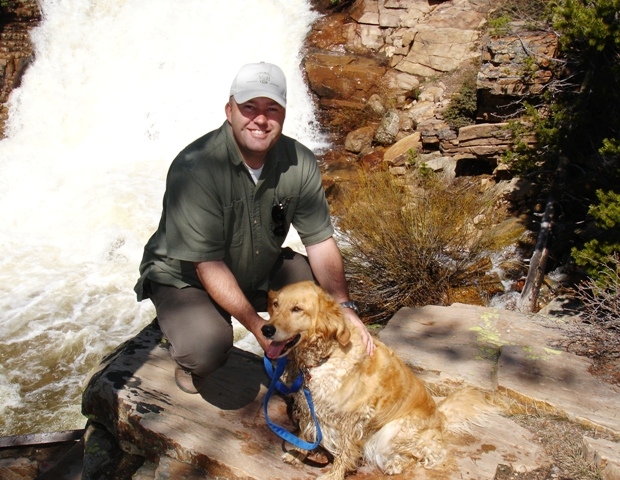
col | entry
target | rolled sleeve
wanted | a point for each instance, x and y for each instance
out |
(312, 218)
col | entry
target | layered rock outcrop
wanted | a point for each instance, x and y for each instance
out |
(375, 71)
(17, 18)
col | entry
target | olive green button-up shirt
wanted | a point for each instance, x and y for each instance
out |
(212, 210)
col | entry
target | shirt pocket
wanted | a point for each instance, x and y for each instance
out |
(289, 205)
(234, 223)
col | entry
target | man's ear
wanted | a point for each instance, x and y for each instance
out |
(228, 110)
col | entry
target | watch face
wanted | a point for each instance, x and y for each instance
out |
(351, 305)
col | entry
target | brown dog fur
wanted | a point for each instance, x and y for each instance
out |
(373, 408)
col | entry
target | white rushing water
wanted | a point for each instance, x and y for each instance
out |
(117, 88)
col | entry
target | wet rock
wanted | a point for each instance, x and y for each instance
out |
(360, 140)
(373, 160)
(329, 33)
(104, 458)
(17, 18)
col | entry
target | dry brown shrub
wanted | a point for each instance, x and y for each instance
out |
(598, 334)
(410, 241)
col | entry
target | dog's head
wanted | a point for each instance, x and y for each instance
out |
(302, 313)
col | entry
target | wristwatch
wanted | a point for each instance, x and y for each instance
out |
(351, 305)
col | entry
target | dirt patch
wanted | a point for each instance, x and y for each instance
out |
(601, 345)
(562, 441)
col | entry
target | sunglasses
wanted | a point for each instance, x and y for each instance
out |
(277, 215)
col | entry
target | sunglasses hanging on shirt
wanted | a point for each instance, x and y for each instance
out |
(279, 219)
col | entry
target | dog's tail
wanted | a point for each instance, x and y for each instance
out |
(464, 408)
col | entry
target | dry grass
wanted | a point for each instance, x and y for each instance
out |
(411, 240)
(598, 335)
(563, 444)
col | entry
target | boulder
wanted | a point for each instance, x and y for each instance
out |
(388, 128)
(437, 50)
(221, 433)
(343, 77)
(360, 140)
(411, 142)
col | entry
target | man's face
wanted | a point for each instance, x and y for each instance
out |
(256, 126)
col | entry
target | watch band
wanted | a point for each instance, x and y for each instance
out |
(351, 305)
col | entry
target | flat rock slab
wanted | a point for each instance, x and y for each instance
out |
(504, 351)
(223, 431)
(134, 396)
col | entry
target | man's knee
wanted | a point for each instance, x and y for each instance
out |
(202, 352)
(200, 334)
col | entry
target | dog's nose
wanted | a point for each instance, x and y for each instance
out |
(268, 330)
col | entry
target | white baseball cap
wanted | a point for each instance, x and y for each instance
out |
(259, 80)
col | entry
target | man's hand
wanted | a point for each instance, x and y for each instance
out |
(366, 336)
(260, 338)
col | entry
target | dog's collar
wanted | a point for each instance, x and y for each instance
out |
(305, 369)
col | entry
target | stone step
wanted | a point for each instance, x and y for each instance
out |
(142, 427)
(222, 431)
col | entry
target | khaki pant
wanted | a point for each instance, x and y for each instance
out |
(200, 331)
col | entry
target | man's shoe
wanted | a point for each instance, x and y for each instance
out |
(187, 382)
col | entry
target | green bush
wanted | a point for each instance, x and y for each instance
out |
(600, 253)
(590, 43)
(522, 157)
(462, 109)
(499, 25)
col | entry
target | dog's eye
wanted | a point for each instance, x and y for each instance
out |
(296, 309)
(275, 304)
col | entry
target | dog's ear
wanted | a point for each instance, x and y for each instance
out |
(343, 334)
(271, 295)
(332, 319)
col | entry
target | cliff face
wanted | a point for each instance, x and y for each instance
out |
(384, 69)
(17, 17)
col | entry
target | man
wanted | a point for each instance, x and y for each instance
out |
(230, 198)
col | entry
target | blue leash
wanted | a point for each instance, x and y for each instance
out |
(276, 384)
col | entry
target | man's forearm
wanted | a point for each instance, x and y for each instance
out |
(328, 268)
(223, 288)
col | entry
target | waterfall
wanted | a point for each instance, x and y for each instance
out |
(116, 89)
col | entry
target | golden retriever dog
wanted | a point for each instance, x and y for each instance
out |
(368, 407)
